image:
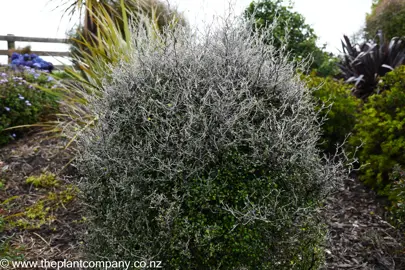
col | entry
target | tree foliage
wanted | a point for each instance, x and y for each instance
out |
(299, 40)
(388, 16)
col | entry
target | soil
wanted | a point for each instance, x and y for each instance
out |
(31, 156)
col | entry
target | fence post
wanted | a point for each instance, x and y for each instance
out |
(10, 46)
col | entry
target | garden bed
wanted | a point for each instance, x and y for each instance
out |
(359, 238)
(41, 215)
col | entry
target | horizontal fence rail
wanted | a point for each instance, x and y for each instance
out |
(11, 39)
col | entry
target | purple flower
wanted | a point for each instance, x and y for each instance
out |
(50, 79)
(28, 103)
(20, 97)
(7, 108)
(13, 135)
(3, 74)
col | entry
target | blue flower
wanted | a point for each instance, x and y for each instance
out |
(13, 135)
(14, 55)
(7, 108)
(50, 79)
(28, 103)
(20, 97)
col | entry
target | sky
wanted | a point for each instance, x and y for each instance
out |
(40, 18)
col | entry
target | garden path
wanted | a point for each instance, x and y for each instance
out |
(359, 237)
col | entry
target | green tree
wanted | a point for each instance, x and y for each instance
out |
(388, 16)
(299, 39)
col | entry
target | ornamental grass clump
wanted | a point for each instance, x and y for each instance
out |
(204, 156)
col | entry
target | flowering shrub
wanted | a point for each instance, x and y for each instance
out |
(205, 156)
(22, 102)
(30, 60)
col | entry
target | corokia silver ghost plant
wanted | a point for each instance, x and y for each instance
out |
(204, 155)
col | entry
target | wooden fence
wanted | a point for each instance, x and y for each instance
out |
(11, 39)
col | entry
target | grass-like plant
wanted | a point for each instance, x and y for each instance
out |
(204, 155)
(104, 45)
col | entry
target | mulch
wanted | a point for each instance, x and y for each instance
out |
(359, 235)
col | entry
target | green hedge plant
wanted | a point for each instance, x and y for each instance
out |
(395, 191)
(340, 115)
(380, 127)
(205, 156)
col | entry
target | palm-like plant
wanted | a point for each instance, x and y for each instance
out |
(364, 64)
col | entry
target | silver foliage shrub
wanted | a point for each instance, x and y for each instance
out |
(204, 157)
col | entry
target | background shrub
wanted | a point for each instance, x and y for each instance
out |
(22, 102)
(341, 113)
(380, 127)
(205, 157)
(395, 191)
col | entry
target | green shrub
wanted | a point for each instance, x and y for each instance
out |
(204, 157)
(341, 117)
(22, 102)
(380, 127)
(395, 191)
